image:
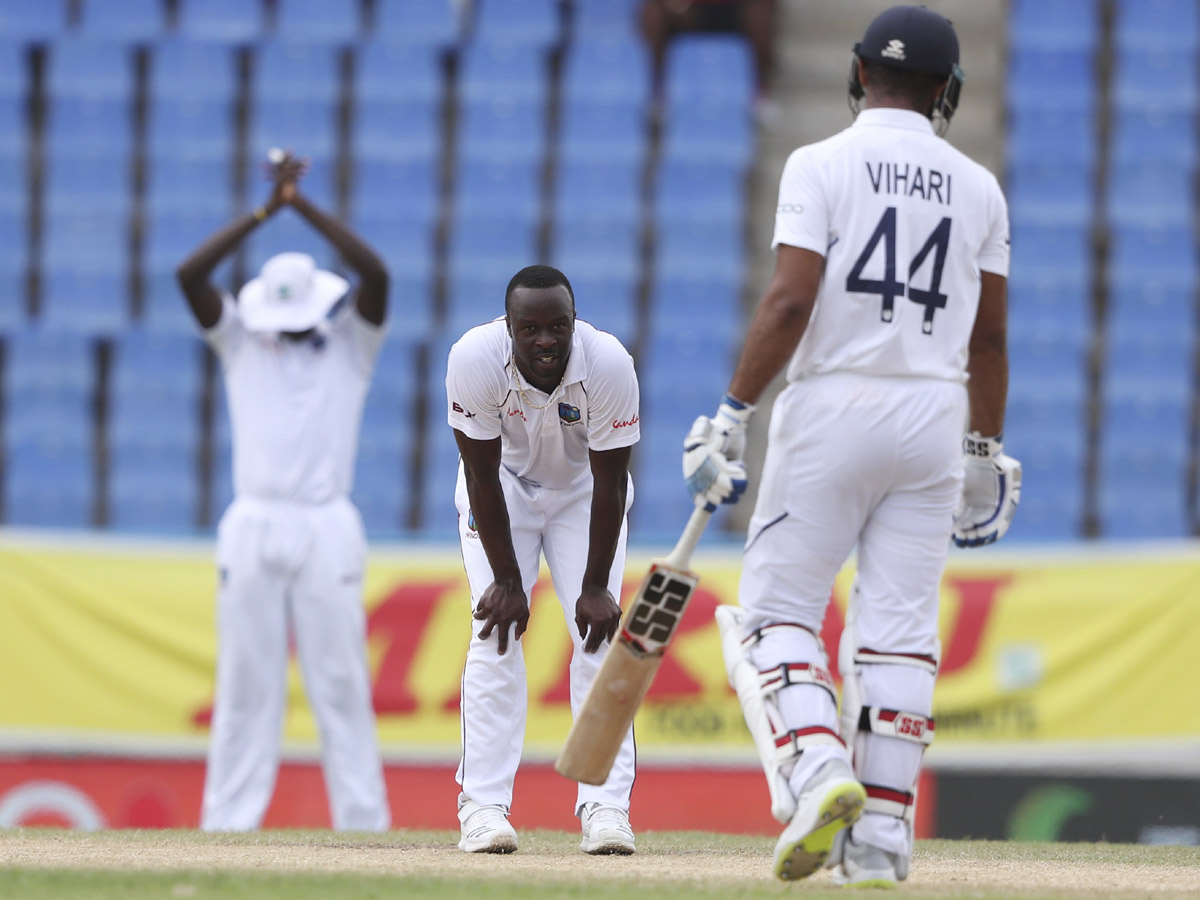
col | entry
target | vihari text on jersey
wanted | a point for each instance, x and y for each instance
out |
(906, 180)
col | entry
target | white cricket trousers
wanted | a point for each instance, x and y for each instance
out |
(284, 566)
(494, 692)
(877, 462)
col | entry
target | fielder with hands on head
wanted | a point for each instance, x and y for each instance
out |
(888, 309)
(297, 363)
(544, 409)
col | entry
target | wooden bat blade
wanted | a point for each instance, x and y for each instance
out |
(626, 674)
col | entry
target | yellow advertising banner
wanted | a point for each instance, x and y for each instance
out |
(119, 640)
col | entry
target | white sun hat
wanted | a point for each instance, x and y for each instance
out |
(289, 294)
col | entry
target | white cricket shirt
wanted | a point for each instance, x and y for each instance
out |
(906, 223)
(595, 407)
(295, 406)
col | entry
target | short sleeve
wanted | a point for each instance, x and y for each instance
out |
(474, 390)
(613, 399)
(365, 339)
(802, 215)
(993, 255)
(229, 334)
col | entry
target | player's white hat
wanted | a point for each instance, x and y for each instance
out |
(289, 294)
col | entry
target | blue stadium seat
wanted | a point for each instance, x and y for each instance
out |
(182, 187)
(381, 486)
(439, 518)
(403, 188)
(85, 239)
(1170, 25)
(318, 21)
(94, 185)
(1051, 194)
(503, 129)
(1051, 296)
(388, 128)
(1062, 249)
(713, 246)
(710, 69)
(607, 70)
(607, 21)
(86, 126)
(390, 70)
(1141, 514)
(42, 364)
(702, 132)
(586, 236)
(42, 22)
(689, 297)
(49, 486)
(185, 126)
(1052, 491)
(1148, 300)
(532, 22)
(1046, 409)
(1037, 75)
(1162, 77)
(193, 68)
(506, 69)
(503, 189)
(1055, 24)
(15, 69)
(88, 299)
(1157, 253)
(132, 21)
(1149, 194)
(608, 189)
(89, 67)
(1055, 134)
(1146, 349)
(319, 183)
(1047, 348)
(287, 232)
(1152, 134)
(285, 71)
(148, 367)
(430, 24)
(595, 131)
(685, 368)
(227, 21)
(699, 191)
(153, 501)
(308, 127)
(14, 314)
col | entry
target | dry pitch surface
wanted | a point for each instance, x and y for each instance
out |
(711, 863)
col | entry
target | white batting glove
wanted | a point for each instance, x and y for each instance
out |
(991, 491)
(713, 469)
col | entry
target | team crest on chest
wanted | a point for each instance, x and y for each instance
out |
(568, 413)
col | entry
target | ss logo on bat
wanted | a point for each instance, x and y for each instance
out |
(658, 609)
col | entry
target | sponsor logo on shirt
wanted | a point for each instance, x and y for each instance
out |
(517, 412)
(625, 423)
(471, 520)
(458, 409)
(790, 209)
(568, 413)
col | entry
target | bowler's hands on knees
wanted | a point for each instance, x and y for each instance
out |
(502, 606)
(597, 616)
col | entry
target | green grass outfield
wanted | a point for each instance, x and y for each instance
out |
(48, 864)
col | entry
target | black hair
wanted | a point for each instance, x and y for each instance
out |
(914, 89)
(538, 276)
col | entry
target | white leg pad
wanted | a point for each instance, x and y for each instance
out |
(744, 679)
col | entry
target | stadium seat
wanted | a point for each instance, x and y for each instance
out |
(1153, 135)
(1145, 300)
(1037, 75)
(192, 127)
(702, 132)
(385, 128)
(185, 67)
(308, 127)
(498, 189)
(1064, 250)
(1051, 194)
(87, 126)
(89, 67)
(429, 24)
(532, 22)
(609, 21)
(611, 240)
(181, 187)
(712, 246)
(42, 22)
(1149, 194)
(100, 184)
(1159, 350)
(606, 70)
(1153, 251)
(503, 129)
(154, 501)
(1140, 514)
(318, 21)
(606, 189)
(1052, 492)
(286, 71)
(287, 232)
(688, 297)
(508, 69)
(227, 21)
(15, 71)
(597, 131)
(90, 299)
(49, 486)
(403, 188)
(1047, 348)
(83, 239)
(131, 21)
(699, 191)
(709, 69)
(1164, 25)
(1055, 24)
(319, 182)
(1053, 134)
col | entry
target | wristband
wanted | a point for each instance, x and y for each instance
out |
(260, 213)
(975, 444)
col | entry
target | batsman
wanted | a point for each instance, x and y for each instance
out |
(887, 308)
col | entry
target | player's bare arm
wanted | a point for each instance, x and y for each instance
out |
(504, 603)
(371, 297)
(779, 321)
(987, 362)
(597, 612)
(195, 273)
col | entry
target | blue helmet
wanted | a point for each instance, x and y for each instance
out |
(918, 40)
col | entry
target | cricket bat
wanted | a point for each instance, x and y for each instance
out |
(645, 632)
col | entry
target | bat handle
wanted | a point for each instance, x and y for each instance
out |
(683, 550)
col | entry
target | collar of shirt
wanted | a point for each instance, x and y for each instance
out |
(890, 117)
(572, 374)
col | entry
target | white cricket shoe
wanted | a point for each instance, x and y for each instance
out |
(830, 800)
(864, 866)
(605, 829)
(486, 829)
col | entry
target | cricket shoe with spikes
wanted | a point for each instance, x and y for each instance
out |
(864, 866)
(605, 830)
(830, 801)
(485, 829)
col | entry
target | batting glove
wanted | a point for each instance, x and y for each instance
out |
(713, 469)
(991, 491)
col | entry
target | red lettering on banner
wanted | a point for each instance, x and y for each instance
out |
(977, 597)
(401, 620)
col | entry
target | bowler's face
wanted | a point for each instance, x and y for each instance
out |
(541, 322)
